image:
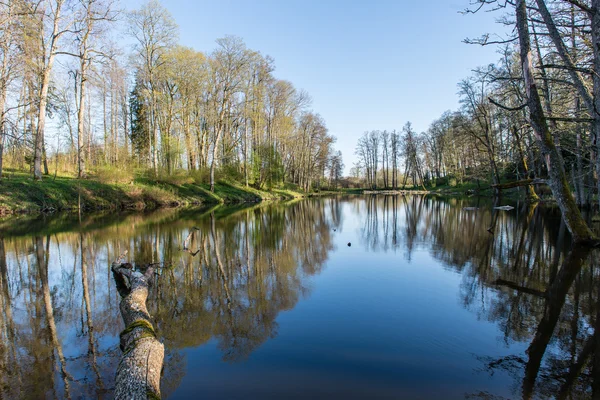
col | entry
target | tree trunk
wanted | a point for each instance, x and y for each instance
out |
(44, 155)
(89, 134)
(154, 134)
(138, 373)
(125, 112)
(563, 52)
(81, 120)
(3, 91)
(191, 159)
(596, 80)
(105, 124)
(2, 134)
(43, 99)
(579, 176)
(212, 162)
(531, 194)
(216, 148)
(592, 102)
(39, 136)
(246, 150)
(557, 177)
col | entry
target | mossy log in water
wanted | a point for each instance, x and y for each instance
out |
(138, 373)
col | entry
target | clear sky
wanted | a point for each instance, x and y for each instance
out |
(366, 64)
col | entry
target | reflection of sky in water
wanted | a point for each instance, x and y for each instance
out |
(409, 310)
(375, 324)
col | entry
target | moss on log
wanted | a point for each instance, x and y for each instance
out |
(138, 373)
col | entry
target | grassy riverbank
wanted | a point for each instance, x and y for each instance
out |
(469, 188)
(20, 193)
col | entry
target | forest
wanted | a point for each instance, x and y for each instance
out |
(466, 268)
(91, 91)
(529, 120)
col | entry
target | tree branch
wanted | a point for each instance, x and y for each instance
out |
(522, 106)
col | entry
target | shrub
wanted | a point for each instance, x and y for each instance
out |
(449, 180)
(291, 186)
(112, 174)
(176, 177)
(158, 195)
(229, 173)
(201, 176)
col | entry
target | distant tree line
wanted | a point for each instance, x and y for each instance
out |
(530, 118)
(389, 159)
(159, 106)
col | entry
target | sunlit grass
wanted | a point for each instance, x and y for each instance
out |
(111, 189)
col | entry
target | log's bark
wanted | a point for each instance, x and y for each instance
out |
(557, 176)
(138, 373)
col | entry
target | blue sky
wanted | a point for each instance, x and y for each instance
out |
(366, 64)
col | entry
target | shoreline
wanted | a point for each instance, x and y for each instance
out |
(19, 194)
(23, 195)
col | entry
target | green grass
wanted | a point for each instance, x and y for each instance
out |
(20, 193)
(466, 188)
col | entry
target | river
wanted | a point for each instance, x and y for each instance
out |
(344, 297)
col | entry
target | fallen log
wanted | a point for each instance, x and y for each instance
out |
(139, 370)
(524, 182)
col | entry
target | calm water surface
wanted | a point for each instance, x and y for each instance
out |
(271, 301)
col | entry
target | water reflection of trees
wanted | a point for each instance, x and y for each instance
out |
(59, 320)
(524, 277)
(246, 272)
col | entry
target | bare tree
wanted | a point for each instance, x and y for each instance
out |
(226, 67)
(9, 62)
(155, 32)
(557, 177)
(51, 26)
